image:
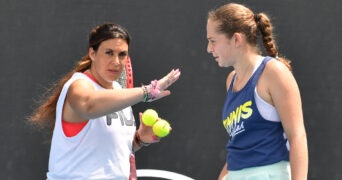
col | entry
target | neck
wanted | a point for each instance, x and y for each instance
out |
(98, 80)
(244, 70)
(245, 65)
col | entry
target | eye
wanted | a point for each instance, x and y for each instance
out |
(211, 41)
(109, 53)
(123, 55)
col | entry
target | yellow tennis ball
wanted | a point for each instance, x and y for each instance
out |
(161, 128)
(149, 117)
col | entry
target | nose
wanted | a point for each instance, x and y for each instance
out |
(116, 60)
(209, 48)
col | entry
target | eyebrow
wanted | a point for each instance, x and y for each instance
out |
(108, 49)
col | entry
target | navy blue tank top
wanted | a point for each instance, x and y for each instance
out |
(253, 140)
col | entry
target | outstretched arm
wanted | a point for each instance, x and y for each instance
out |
(84, 102)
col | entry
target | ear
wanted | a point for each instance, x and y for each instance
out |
(238, 39)
(91, 54)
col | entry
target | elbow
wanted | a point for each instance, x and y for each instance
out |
(298, 140)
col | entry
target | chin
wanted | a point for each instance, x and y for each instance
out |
(220, 65)
(110, 80)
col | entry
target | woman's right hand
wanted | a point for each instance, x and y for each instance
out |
(169, 79)
(158, 89)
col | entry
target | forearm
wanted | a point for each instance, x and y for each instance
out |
(223, 173)
(107, 101)
(299, 158)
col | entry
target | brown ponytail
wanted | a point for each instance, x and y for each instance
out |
(266, 29)
(238, 18)
(45, 114)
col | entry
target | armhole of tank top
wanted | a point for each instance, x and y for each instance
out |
(70, 129)
(266, 110)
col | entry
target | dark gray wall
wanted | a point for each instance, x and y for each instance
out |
(41, 40)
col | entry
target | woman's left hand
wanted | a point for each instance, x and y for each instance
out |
(146, 133)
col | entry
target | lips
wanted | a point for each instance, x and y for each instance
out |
(215, 57)
(114, 71)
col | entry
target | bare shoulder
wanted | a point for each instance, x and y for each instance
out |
(78, 94)
(275, 67)
(276, 72)
(275, 80)
(80, 87)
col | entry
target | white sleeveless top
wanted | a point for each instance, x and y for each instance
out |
(101, 150)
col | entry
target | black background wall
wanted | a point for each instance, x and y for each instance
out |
(41, 40)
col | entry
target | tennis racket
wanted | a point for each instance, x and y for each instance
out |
(126, 77)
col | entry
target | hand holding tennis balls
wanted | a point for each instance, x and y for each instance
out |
(161, 127)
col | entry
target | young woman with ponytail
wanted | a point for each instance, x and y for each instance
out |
(262, 113)
(94, 130)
